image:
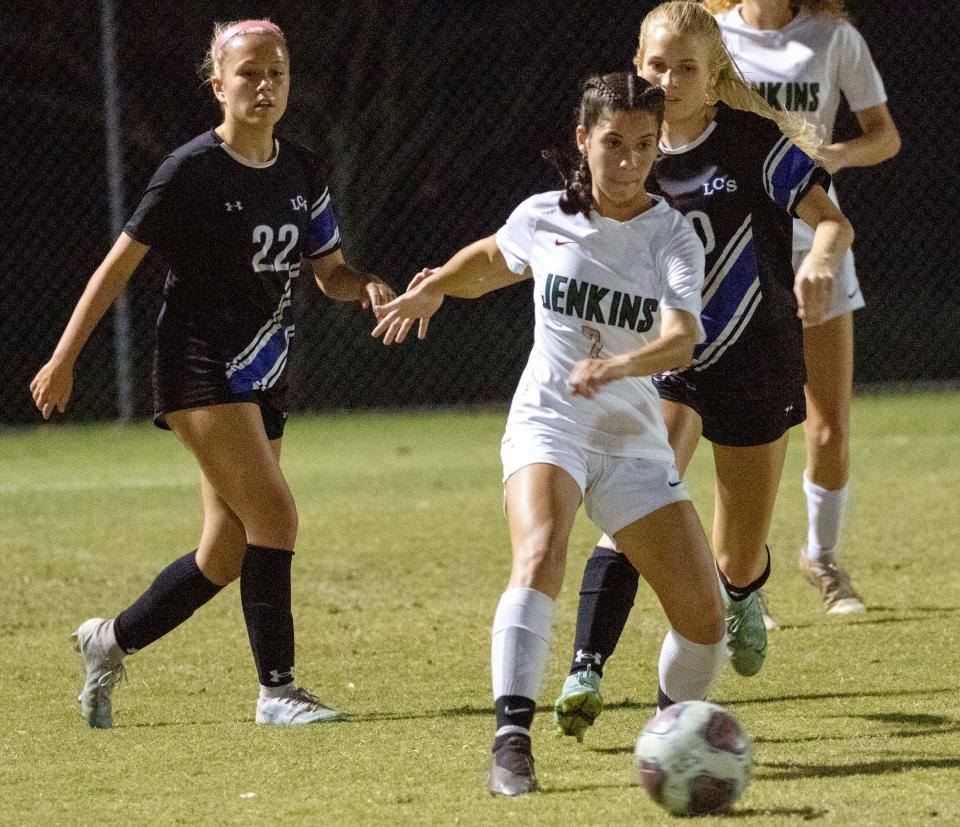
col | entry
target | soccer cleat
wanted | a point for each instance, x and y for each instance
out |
(512, 771)
(579, 704)
(296, 706)
(103, 662)
(839, 596)
(746, 635)
(769, 623)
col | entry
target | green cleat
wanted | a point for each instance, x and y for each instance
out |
(746, 635)
(579, 704)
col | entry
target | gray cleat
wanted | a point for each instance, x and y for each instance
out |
(103, 661)
(837, 592)
(512, 772)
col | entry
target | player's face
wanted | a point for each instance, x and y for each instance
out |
(254, 80)
(620, 151)
(678, 63)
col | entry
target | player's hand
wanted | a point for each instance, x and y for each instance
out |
(397, 317)
(376, 293)
(51, 387)
(813, 287)
(589, 375)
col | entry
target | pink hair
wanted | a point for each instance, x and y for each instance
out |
(239, 28)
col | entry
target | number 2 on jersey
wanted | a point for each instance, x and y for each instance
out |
(263, 236)
(594, 336)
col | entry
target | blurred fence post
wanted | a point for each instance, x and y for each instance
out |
(111, 122)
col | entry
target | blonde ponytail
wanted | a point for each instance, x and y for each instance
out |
(691, 17)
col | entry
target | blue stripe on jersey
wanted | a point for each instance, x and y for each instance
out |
(323, 235)
(787, 172)
(266, 366)
(261, 362)
(728, 295)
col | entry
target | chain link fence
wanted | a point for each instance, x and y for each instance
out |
(432, 115)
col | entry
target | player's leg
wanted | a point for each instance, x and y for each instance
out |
(241, 463)
(828, 350)
(670, 550)
(746, 491)
(541, 502)
(175, 594)
(607, 592)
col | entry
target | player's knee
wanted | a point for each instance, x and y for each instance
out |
(275, 523)
(539, 564)
(830, 435)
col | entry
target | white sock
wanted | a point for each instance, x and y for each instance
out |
(825, 509)
(521, 641)
(686, 668)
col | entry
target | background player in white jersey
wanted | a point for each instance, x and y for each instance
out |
(617, 276)
(232, 212)
(728, 166)
(801, 55)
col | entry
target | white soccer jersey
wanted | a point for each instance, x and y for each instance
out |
(805, 67)
(600, 286)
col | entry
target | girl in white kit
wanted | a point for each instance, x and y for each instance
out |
(801, 55)
(617, 278)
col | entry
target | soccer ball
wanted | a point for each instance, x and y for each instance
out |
(694, 758)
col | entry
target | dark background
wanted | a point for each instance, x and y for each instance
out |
(432, 115)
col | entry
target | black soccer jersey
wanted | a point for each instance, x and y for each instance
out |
(232, 234)
(739, 185)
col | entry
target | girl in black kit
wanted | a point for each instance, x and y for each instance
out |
(739, 172)
(233, 212)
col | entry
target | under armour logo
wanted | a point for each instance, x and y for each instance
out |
(275, 676)
(233, 205)
(299, 203)
(582, 656)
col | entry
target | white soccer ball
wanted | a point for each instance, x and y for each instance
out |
(694, 758)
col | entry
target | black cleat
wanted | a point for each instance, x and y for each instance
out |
(512, 771)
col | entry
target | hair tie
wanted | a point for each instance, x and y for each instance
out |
(239, 28)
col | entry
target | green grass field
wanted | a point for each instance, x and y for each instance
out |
(401, 559)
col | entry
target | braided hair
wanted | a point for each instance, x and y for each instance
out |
(601, 95)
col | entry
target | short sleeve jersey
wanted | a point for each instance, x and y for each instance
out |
(232, 234)
(600, 287)
(805, 67)
(738, 185)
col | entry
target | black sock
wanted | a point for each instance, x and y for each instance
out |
(607, 593)
(178, 591)
(663, 699)
(743, 592)
(265, 597)
(514, 710)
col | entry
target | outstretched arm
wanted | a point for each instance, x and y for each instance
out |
(879, 139)
(679, 333)
(832, 237)
(53, 384)
(476, 269)
(343, 283)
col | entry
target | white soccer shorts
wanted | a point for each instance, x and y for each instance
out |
(617, 491)
(846, 288)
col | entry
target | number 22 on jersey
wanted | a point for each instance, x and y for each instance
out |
(263, 237)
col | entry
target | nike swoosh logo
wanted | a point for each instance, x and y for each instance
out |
(674, 484)
(560, 243)
(508, 711)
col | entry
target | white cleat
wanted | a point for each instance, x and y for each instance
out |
(297, 706)
(103, 661)
(769, 622)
